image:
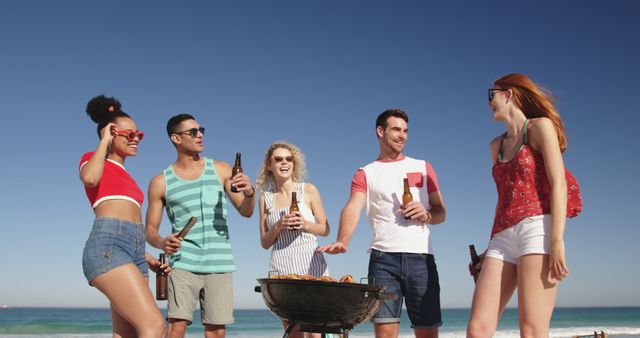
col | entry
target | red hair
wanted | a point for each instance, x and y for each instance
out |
(534, 101)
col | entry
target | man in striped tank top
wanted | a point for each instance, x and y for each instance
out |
(202, 263)
(401, 256)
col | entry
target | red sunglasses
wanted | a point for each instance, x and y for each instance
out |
(130, 134)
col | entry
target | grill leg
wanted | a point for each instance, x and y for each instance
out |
(289, 329)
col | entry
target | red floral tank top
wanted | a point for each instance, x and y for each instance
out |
(524, 189)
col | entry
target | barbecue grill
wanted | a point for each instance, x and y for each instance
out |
(321, 307)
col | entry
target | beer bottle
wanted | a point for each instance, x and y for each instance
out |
(161, 281)
(474, 260)
(406, 195)
(294, 204)
(187, 227)
(237, 168)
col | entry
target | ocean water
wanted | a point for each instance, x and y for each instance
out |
(94, 323)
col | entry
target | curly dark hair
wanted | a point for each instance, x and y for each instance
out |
(104, 110)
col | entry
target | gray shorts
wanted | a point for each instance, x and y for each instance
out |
(213, 290)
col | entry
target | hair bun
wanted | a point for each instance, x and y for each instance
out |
(101, 106)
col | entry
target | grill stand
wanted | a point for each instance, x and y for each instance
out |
(320, 325)
(323, 330)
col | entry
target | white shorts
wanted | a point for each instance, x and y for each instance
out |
(531, 236)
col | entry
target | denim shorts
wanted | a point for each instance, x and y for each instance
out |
(113, 242)
(412, 277)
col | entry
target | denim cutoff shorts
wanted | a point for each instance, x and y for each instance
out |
(412, 277)
(113, 242)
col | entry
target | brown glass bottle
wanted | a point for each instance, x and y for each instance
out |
(294, 203)
(474, 260)
(187, 227)
(237, 168)
(406, 195)
(161, 281)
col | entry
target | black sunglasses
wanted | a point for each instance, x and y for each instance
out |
(193, 131)
(492, 91)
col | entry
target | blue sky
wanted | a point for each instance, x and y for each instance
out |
(316, 74)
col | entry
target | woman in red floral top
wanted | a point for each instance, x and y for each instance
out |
(535, 196)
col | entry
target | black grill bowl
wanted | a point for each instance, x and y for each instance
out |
(329, 305)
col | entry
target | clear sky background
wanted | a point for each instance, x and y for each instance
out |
(315, 73)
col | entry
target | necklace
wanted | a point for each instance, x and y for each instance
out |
(524, 139)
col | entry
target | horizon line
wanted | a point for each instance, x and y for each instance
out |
(7, 307)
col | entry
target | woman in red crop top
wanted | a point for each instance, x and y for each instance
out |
(114, 258)
(526, 250)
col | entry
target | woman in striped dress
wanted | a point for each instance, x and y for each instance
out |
(292, 236)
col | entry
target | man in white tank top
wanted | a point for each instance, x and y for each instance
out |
(401, 253)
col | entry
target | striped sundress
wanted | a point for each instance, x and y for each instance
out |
(294, 251)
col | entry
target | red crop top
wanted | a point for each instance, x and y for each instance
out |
(116, 183)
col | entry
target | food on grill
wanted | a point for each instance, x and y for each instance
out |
(343, 279)
(327, 279)
(346, 279)
(307, 277)
(290, 276)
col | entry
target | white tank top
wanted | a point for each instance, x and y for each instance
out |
(294, 251)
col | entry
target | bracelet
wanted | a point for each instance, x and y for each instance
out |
(428, 218)
(254, 192)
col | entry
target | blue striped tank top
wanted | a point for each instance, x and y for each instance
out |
(206, 248)
(294, 251)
